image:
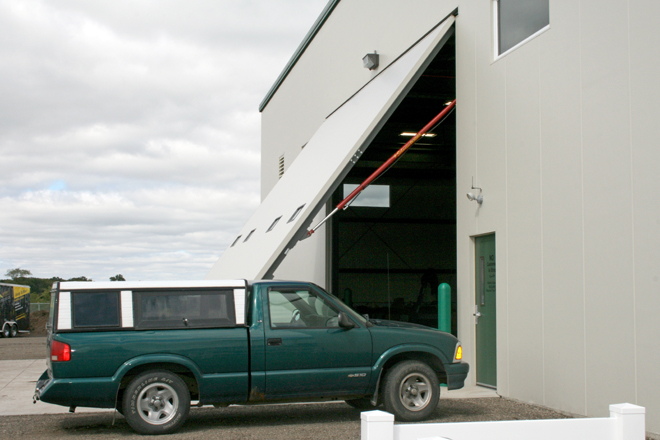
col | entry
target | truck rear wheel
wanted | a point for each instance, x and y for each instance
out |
(412, 391)
(156, 402)
(6, 332)
(13, 332)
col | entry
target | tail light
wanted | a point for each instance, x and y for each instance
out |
(59, 351)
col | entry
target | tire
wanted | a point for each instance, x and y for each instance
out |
(6, 331)
(412, 391)
(361, 404)
(13, 332)
(156, 402)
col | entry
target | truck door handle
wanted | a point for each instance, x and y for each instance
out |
(272, 342)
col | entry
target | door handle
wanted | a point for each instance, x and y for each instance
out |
(273, 342)
(476, 314)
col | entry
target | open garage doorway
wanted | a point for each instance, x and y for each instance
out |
(393, 246)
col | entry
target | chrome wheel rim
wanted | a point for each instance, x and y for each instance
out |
(415, 392)
(157, 403)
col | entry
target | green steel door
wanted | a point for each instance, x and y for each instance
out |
(485, 306)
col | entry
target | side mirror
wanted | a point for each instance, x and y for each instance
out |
(345, 322)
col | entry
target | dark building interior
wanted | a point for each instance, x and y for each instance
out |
(388, 259)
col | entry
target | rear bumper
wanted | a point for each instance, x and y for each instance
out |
(41, 384)
(89, 392)
(456, 374)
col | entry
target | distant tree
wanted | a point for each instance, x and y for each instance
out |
(79, 279)
(18, 273)
(118, 277)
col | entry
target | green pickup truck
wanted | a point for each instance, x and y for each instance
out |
(153, 349)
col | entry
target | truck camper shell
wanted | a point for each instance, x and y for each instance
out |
(112, 306)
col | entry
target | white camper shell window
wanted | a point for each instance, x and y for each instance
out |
(95, 309)
(184, 309)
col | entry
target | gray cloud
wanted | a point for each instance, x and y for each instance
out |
(129, 131)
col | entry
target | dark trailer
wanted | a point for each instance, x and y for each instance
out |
(14, 309)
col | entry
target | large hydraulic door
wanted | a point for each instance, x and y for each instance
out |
(285, 214)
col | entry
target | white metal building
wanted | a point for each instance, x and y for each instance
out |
(556, 127)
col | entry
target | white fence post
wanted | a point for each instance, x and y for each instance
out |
(629, 421)
(377, 425)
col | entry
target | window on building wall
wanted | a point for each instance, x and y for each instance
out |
(373, 196)
(272, 225)
(518, 20)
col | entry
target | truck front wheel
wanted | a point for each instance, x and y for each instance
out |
(412, 391)
(13, 332)
(156, 402)
(6, 332)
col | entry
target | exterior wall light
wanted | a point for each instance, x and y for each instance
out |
(478, 198)
(475, 197)
(370, 60)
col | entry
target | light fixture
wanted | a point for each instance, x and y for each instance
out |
(370, 60)
(411, 134)
(475, 197)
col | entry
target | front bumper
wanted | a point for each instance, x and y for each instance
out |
(456, 374)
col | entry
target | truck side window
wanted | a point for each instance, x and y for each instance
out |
(300, 308)
(95, 309)
(185, 309)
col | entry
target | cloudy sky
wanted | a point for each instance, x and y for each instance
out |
(129, 130)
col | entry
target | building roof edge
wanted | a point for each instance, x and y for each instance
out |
(299, 51)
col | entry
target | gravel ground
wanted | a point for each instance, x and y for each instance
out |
(327, 421)
(22, 347)
(269, 422)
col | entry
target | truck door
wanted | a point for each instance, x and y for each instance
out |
(307, 353)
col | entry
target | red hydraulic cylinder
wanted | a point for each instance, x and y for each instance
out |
(343, 204)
